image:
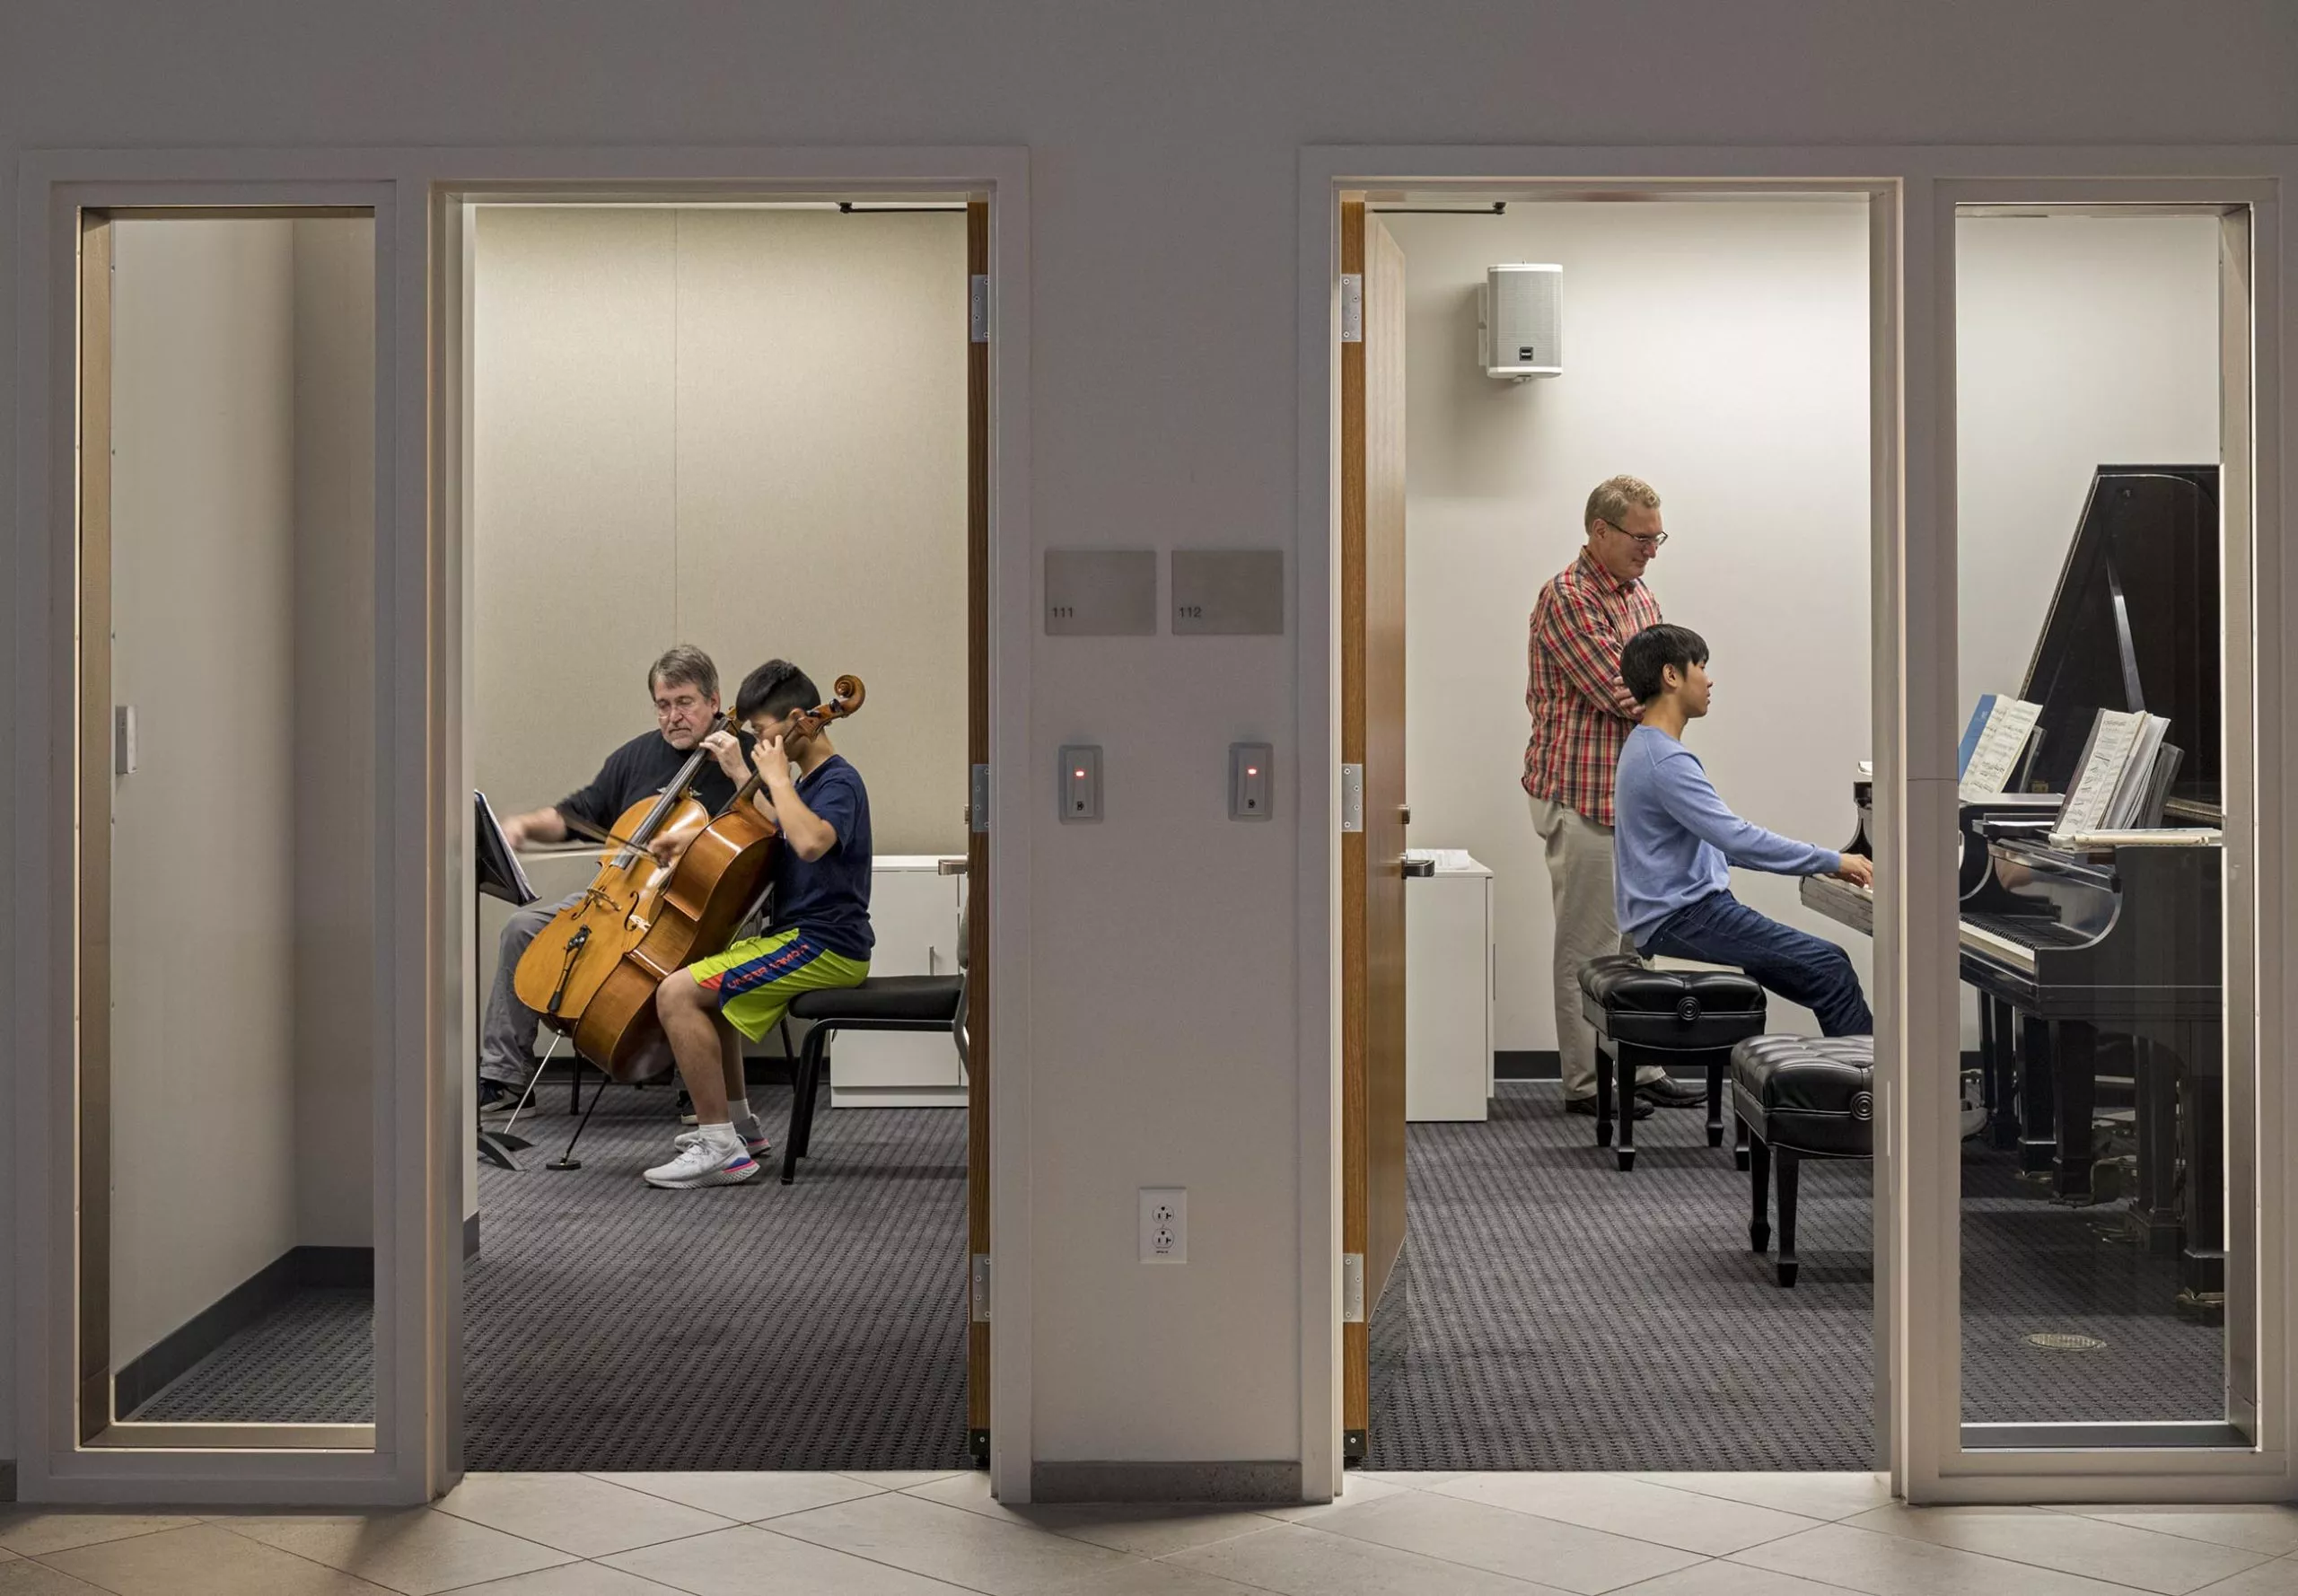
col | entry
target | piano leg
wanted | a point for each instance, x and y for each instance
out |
(1999, 1058)
(2154, 1221)
(2075, 1088)
(2037, 1103)
(2202, 1143)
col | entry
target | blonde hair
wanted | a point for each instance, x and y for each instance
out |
(1616, 497)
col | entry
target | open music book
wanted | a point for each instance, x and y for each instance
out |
(2125, 772)
(1992, 743)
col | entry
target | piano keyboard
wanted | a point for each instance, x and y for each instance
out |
(2006, 938)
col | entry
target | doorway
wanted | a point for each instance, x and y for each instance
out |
(780, 406)
(1526, 1304)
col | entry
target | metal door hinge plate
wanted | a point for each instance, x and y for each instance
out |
(981, 1288)
(1352, 307)
(1351, 1288)
(978, 308)
(978, 801)
(1352, 797)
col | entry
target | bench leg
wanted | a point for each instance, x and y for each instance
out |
(1790, 1167)
(1739, 1142)
(802, 1084)
(1624, 1063)
(1603, 1097)
(1759, 1163)
(1715, 1102)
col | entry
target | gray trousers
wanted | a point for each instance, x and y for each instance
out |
(1580, 882)
(506, 1035)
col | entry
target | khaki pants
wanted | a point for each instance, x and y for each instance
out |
(1580, 881)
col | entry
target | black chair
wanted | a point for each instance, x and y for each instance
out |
(1800, 1097)
(880, 1003)
(1643, 1015)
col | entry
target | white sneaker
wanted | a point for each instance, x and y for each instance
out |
(703, 1164)
(751, 1130)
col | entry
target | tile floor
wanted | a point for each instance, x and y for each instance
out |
(937, 1534)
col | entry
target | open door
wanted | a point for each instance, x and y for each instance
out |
(977, 951)
(1373, 812)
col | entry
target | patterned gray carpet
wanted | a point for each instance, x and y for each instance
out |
(1553, 1313)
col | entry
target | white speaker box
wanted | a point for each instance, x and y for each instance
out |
(1523, 321)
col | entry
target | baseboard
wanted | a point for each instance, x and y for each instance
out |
(1273, 1482)
(1526, 1064)
(470, 1236)
(343, 1267)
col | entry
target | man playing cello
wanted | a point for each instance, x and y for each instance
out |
(818, 933)
(684, 685)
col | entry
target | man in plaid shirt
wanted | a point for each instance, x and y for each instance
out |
(1582, 712)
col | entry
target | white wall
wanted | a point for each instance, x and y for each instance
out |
(1719, 351)
(203, 1081)
(2079, 341)
(1165, 240)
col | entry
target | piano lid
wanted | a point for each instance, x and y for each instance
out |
(2134, 626)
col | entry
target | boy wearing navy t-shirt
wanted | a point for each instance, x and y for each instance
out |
(818, 935)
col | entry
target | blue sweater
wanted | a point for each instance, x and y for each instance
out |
(1674, 841)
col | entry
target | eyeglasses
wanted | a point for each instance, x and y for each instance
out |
(1645, 544)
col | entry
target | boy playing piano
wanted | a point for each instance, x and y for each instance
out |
(1675, 841)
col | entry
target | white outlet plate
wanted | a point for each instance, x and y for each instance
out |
(1164, 1224)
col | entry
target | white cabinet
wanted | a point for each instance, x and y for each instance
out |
(1448, 988)
(913, 911)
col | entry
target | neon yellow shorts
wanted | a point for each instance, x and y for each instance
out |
(753, 981)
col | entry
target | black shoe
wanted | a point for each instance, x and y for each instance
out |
(494, 1095)
(1671, 1093)
(687, 1115)
(1587, 1105)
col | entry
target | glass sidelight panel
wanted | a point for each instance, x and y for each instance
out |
(2102, 535)
(226, 878)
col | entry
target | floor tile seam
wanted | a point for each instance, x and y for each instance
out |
(2101, 1518)
(108, 1540)
(1632, 1540)
(1532, 1585)
(1829, 1517)
(2263, 1557)
(864, 1558)
(220, 1524)
(1997, 1557)
(429, 1507)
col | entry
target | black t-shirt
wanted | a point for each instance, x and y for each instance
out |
(828, 898)
(641, 768)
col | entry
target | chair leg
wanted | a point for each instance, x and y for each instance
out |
(1603, 1096)
(801, 1092)
(1715, 1101)
(1760, 1163)
(1791, 1164)
(1625, 1063)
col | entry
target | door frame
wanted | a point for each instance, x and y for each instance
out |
(1914, 720)
(424, 957)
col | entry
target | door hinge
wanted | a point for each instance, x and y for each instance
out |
(1352, 797)
(1351, 1288)
(978, 307)
(981, 1288)
(1352, 307)
(978, 801)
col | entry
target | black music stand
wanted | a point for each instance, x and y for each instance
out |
(499, 876)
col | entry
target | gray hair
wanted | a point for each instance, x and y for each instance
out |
(1616, 497)
(684, 666)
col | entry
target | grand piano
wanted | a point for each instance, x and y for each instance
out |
(2098, 957)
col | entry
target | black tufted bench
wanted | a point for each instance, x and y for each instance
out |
(1801, 1097)
(1643, 1016)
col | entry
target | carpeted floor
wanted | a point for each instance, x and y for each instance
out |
(1553, 1313)
(609, 1326)
(1549, 1313)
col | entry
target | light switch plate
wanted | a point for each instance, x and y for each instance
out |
(1252, 781)
(1081, 782)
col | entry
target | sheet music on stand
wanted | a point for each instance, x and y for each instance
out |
(2118, 772)
(1992, 743)
(500, 875)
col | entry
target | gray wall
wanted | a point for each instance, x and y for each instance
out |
(1165, 237)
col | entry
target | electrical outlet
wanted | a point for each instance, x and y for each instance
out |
(1164, 1224)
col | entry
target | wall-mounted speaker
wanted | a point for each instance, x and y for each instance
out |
(1523, 311)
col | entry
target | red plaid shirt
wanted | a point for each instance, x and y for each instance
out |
(1581, 712)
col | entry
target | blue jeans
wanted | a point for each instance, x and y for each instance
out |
(1800, 967)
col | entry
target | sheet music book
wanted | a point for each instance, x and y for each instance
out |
(2117, 769)
(1992, 743)
(499, 872)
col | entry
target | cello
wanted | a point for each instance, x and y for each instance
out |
(689, 911)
